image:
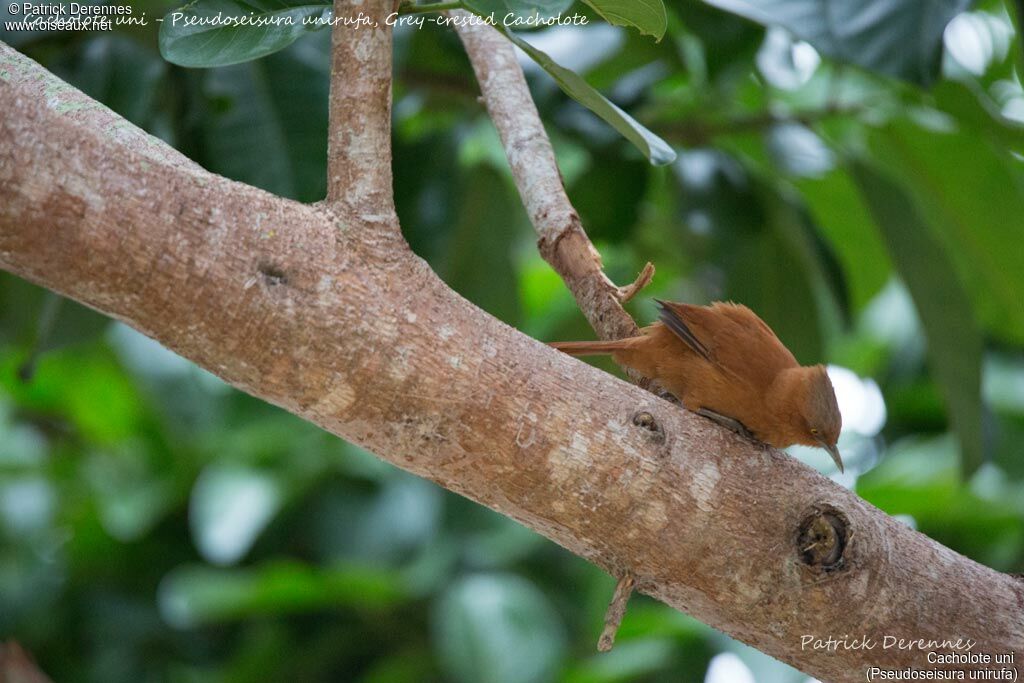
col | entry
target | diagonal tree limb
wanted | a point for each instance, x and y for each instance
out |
(359, 336)
(562, 240)
(359, 179)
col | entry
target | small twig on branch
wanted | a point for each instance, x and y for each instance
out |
(626, 293)
(616, 610)
(562, 240)
(359, 180)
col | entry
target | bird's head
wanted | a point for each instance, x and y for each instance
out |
(819, 412)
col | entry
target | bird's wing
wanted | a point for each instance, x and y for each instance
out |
(731, 337)
(760, 341)
(674, 317)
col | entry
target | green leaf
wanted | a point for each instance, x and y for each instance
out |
(954, 342)
(840, 215)
(609, 195)
(35, 318)
(647, 16)
(657, 151)
(206, 33)
(976, 112)
(268, 121)
(770, 274)
(121, 74)
(901, 38)
(763, 243)
(490, 222)
(630, 660)
(90, 389)
(498, 628)
(223, 538)
(972, 196)
(193, 595)
(500, 9)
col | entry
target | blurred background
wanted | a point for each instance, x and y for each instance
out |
(863, 192)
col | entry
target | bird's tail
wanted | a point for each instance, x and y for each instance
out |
(591, 348)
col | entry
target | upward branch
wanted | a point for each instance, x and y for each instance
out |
(562, 240)
(359, 178)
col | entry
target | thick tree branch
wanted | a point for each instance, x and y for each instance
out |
(360, 337)
(562, 240)
(359, 143)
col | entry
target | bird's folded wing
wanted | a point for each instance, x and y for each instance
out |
(731, 337)
(674, 318)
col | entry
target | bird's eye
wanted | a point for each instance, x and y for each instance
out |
(814, 431)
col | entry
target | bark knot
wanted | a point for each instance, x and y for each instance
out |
(647, 422)
(272, 275)
(822, 538)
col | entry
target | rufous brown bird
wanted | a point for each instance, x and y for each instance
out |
(725, 363)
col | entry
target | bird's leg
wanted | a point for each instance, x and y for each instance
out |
(727, 422)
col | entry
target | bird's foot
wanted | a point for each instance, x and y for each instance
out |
(727, 422)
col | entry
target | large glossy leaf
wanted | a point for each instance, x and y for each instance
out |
(90, 389)
(609, 195)
(772, 272)
(647, 16)
(976, 112)
(657, 151)
(39, 320)
(498, 628)
(840, 215)
(209, 33)
(954, 341)
(426, 172)
(229, 508)
(972, 195)
(121, 74)
(901, 38)
(491, 220)
(267, 124)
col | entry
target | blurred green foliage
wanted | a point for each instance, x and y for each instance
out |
(157, 525)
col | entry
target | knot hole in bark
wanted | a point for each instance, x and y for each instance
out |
(272, 275)
(822, 538)
(646, 421)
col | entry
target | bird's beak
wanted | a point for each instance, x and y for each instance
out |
(834, 452)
